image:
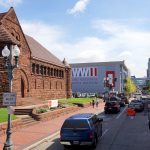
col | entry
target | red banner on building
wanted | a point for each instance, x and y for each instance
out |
(110, 76)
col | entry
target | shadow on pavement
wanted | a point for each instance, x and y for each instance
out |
(56, 145)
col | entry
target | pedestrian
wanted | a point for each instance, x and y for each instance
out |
(97, 103)
(93, 103)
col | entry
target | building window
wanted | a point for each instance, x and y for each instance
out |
(33, 68)
(37, 69)
(62, 74)
(57, 72)
(48, 71)
(44, 70)
(52, 70)
(41, 70)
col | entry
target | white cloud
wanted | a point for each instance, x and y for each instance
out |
(80, 6)
(121, 43)
(9, 3)
(45, 34)
(127, 44)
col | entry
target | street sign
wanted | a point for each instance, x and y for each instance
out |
(9, 99)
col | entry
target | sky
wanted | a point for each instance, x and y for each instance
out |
(84, 31)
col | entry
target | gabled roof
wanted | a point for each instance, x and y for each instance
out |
(37, 50)
(2, 15)
(6, 37)
(41, 53)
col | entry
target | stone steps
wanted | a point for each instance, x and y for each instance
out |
(28, 120)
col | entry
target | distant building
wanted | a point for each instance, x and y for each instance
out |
(140, 82)
(91, 77)
(40, 76)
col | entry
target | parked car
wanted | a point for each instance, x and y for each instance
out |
(123, 98)
(138, 96)
(115, 98)
(111, 107)
(81, 129)
(137, 105)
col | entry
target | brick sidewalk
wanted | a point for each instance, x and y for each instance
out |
(30, 135)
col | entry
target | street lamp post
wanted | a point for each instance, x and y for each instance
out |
(8, 55)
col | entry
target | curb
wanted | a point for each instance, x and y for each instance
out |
(42, 141)
(34, 145)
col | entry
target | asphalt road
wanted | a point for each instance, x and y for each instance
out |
(120, 132)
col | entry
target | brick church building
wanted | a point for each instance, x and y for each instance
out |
(41, 76)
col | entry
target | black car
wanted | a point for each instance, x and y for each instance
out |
(81, 129)
(116, 98)
(112, 107)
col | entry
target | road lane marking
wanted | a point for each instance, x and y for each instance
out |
(104, 133)
(121, 113)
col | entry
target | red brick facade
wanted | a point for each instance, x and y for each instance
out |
(38, 77)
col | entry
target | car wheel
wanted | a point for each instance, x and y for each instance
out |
(94, 143)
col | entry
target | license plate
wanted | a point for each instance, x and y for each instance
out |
(75, 142)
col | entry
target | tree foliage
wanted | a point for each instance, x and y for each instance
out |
(130, 86)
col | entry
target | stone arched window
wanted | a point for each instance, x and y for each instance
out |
(62, 74)
(37, 69)
(33, 68)
(52, 71)
(41, 70)
(44, 70)
(57, 73)
(48, 71)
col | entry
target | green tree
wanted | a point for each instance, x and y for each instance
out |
(130, 86)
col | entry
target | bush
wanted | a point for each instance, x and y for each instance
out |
(41, 110)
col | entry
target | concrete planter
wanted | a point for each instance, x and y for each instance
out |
(55, 113)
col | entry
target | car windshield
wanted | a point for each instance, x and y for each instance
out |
(113, 99)
(72, 124)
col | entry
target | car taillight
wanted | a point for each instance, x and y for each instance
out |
(91, 135)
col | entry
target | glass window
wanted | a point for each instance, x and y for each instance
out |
(75, 124)
(37, 69)
(44, 70)
(48, 71)
(41, 70)
(54, 72)
(33, 68)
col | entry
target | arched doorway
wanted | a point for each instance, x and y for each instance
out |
(22, 88)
